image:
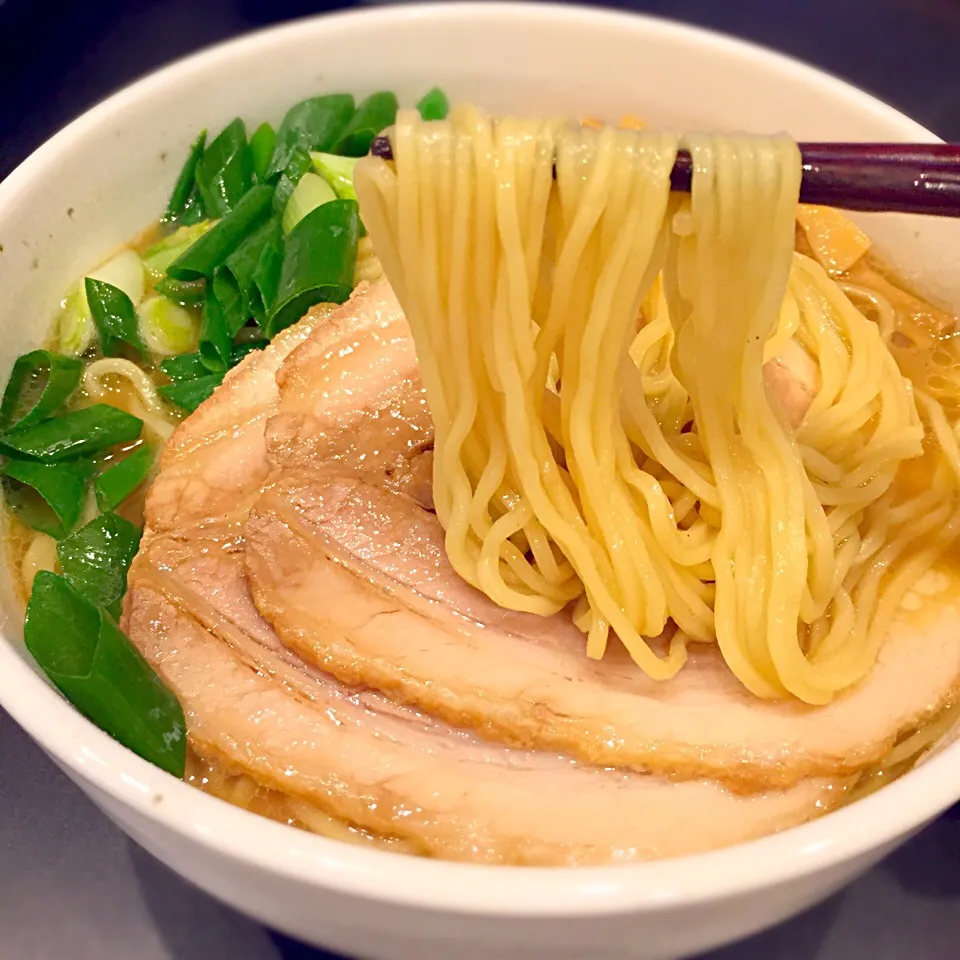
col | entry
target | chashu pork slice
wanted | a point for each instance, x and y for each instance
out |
(394, 771)
(351, 395)
(355, 579)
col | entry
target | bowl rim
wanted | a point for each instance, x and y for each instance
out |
(405, 881)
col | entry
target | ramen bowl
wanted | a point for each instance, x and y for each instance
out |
(104, 177)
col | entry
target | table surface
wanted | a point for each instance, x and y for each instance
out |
(71, 884)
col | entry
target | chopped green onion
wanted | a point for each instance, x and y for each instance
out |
(299, 164)
(120, 479)
(314, 124)
(266, 278)
(115, 318)
(186, 293)
(318, 263)
(262, 144)
(311, 191)
(96, 667)
(194, 212)
(185, 367)
(40, 383)
(160, 255)
(76, 328)
(47, 496)
(375, 114)
(75, 434)
(434, 105)
(225, 172)
(234, 282)
(95, 559)
(189, 394)
(338, 172)
(216, 338)
(166, 327)
(183, 188)
(201, 259)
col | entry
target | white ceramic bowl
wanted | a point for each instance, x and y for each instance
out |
(108, 174)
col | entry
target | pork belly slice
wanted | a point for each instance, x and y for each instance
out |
(355, 579)
(393, 770)
(216, 458)
(351, 395)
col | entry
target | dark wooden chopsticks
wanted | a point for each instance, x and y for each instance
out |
(873, 177)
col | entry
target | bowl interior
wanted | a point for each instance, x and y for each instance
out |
(108, 175)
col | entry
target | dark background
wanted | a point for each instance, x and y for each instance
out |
(59, 58)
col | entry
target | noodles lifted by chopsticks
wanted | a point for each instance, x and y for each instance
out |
(642, 467)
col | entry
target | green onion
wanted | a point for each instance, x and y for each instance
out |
(434, 105)
(214, 247)
(75, 434)
(318, 263)
(185, 367)
(160, 255)
(299, 164)
(186, 293)
(47, 496)
(375, 114)
(311, 191)
(216, 338)
(166, 327)
(234, 281)
(40, 383)
(314, 124)
(183, 188)
(120, 479)
(225, 173)
(338, 172)
(96, 667)
(262, 144)
(95, 559)
(190, 366)
(115, 318)
(189, 394)
(194, 212)
(266, 278)
(76, 329)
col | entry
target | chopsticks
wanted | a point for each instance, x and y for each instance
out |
(871, 177)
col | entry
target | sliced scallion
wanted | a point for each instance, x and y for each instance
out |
(96, 667)
(161, 254)
(299, 164)
(318, 263)
(213, 248)
(189, 394)
(183, 188)
(40, 383)
(95, 559)
(186, 293)
(115, 318)
(375, 114)
(122, 478)
(311, 191)
(76, 329)
(78, 433)
(262, 144)
(313, 124)
(47, 496)
(434, 105)
(338, 172)
(166, 327)
(225, 172)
